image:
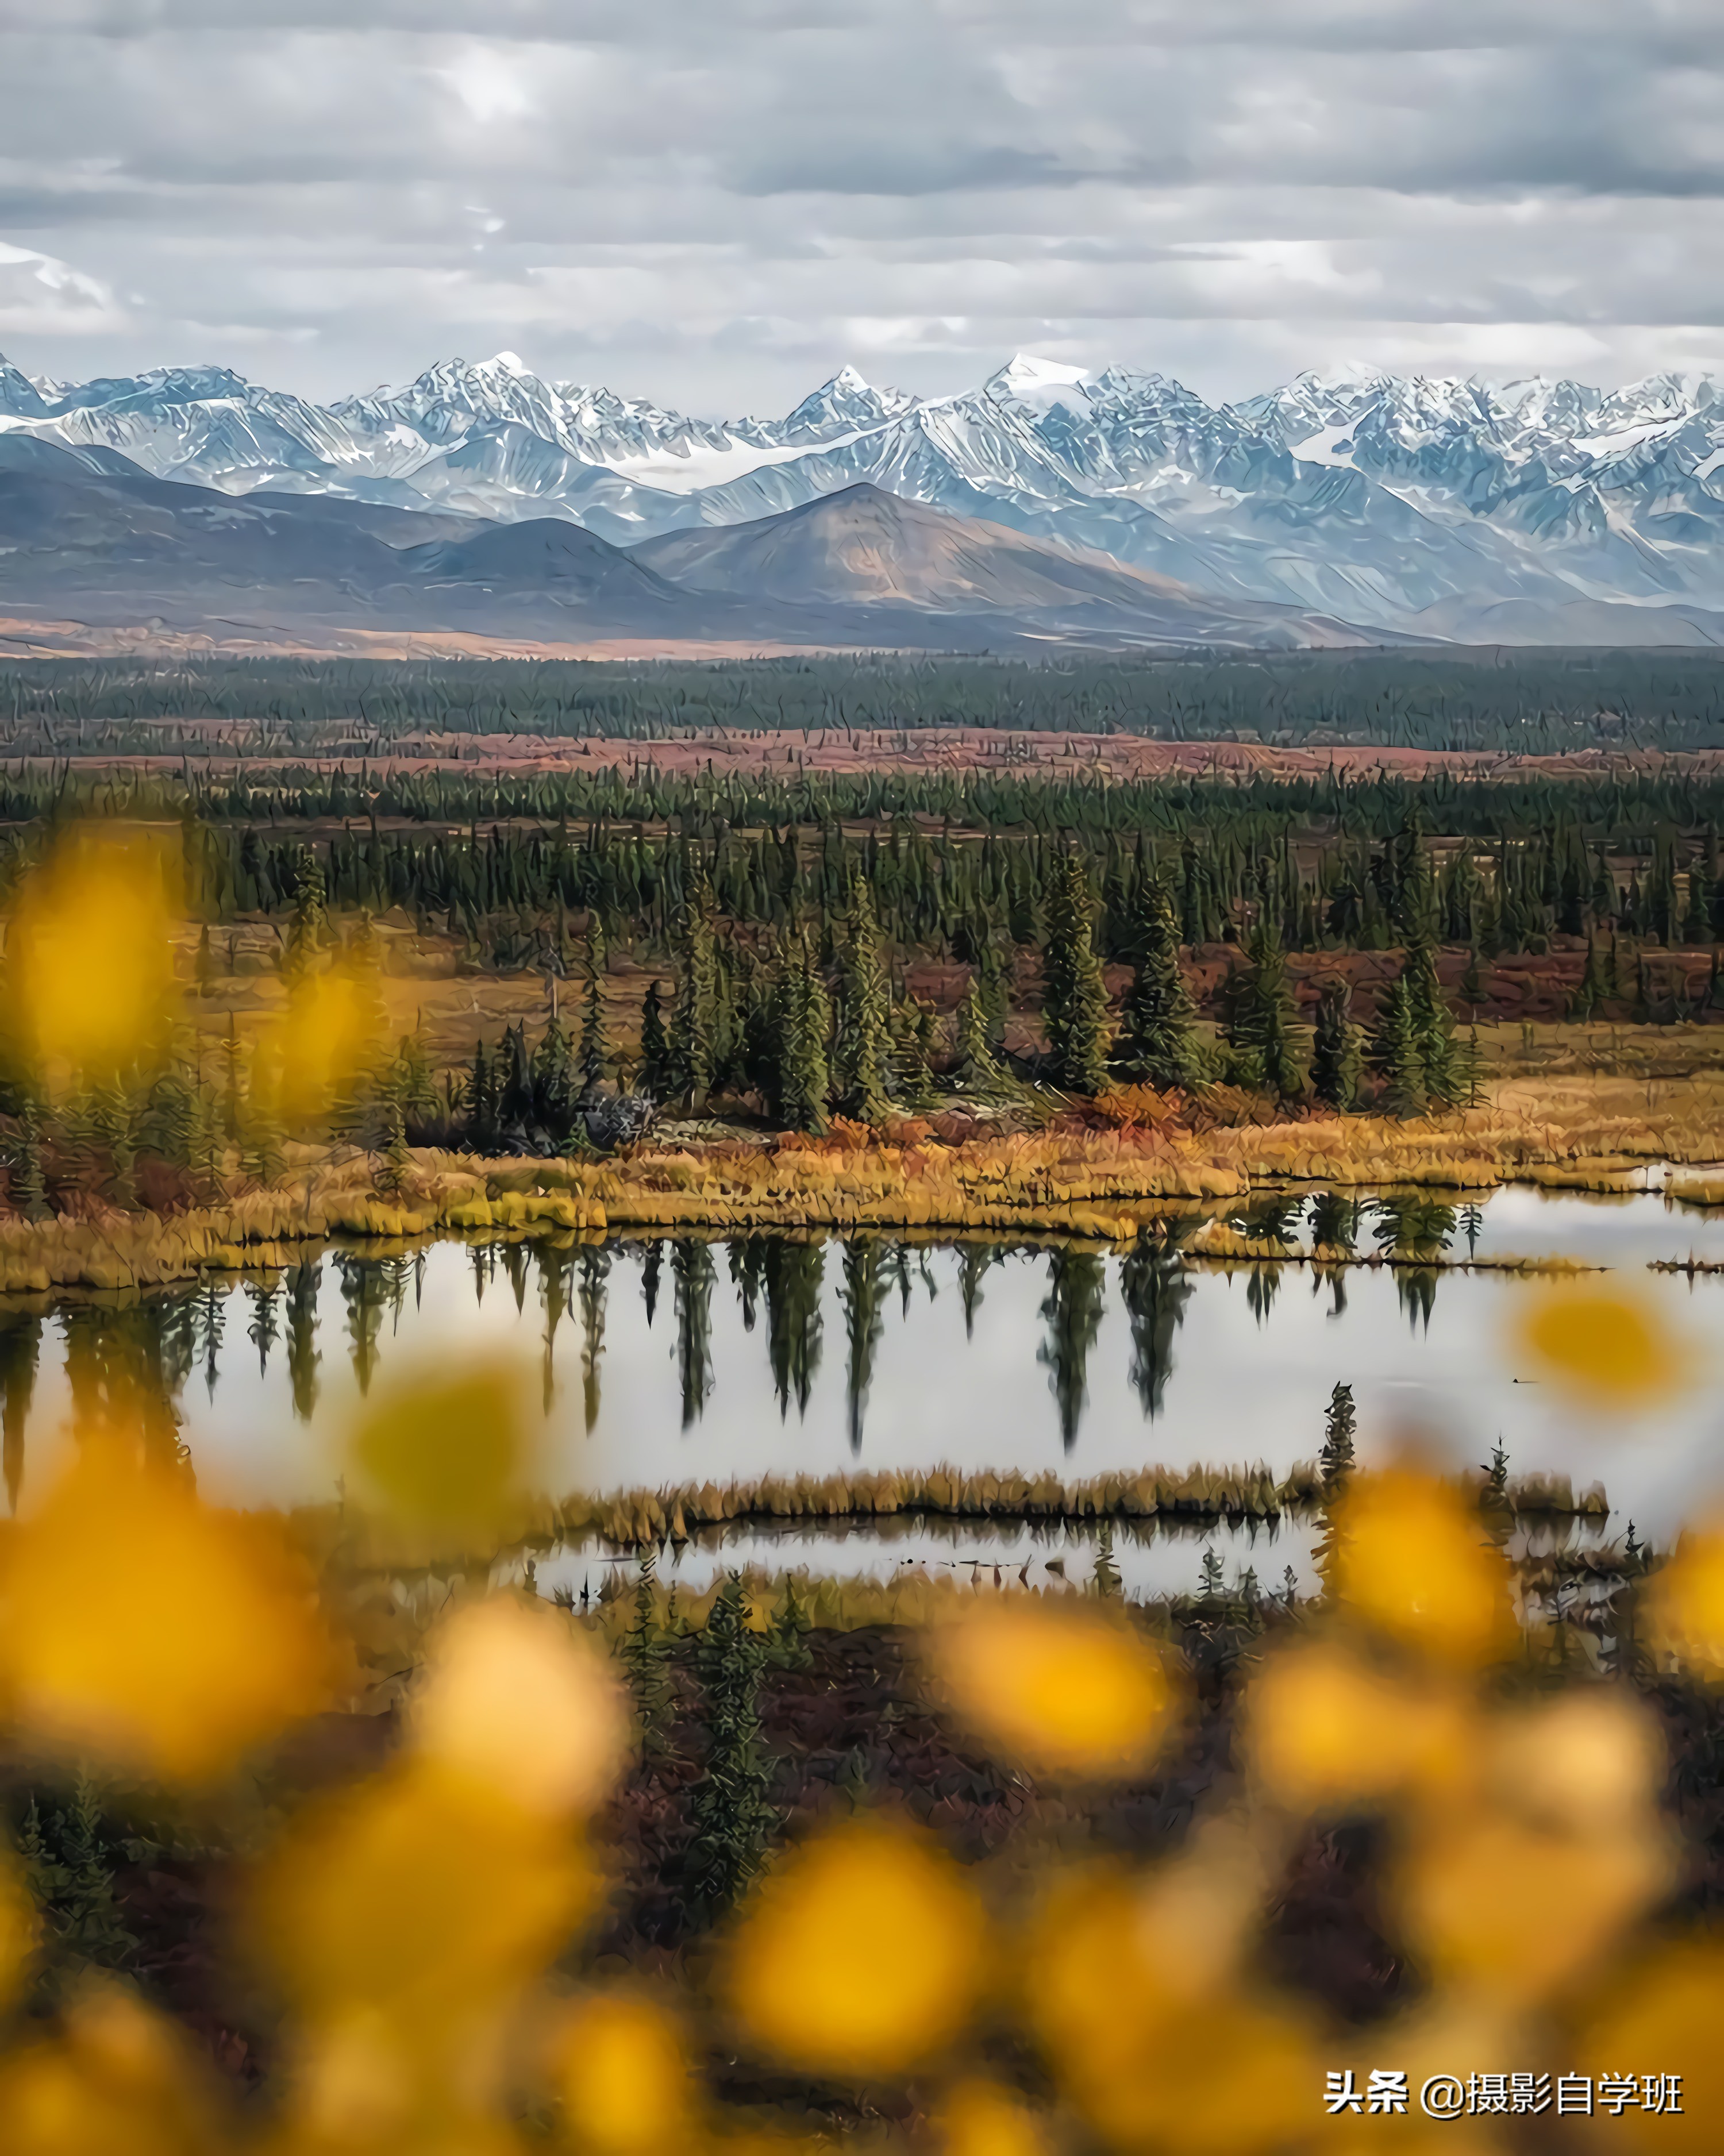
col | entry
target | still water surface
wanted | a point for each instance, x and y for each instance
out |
(661, 1363)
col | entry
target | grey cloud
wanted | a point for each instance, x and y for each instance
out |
(710, 202)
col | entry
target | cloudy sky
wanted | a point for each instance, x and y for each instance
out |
(714, 203)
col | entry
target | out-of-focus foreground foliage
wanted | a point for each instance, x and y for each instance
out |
(410, 1945)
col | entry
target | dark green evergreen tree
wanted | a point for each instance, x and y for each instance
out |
(862, 1055)
(1395, 1052)
(1336, 1063)
(733, 1817)
(654, 1044)
(1074, 1004)
(802, 1027)
(1261, 1032)
(694, 1042)
(1158, 1042)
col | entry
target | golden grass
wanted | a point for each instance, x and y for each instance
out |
(1069, 1179)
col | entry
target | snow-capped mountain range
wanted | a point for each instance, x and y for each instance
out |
(1539, 510)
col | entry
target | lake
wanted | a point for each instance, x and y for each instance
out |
(658, 1363)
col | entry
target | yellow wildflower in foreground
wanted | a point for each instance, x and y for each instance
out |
(146, 1631)
(1607, 1349)
(443, 1455)
(1323, 1728)
(1665, 2013)
(862, 1954)
(19, 1929)
(981, 2118)
(1061, 1687)
(418, 1896)
(1413, 1561)
(331, 1032)
(89, 978)
(622, 2069)
(512, 1697)
(1684, 1603)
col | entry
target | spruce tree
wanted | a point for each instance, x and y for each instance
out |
(802, 1016)
(1396, 1054)
(732, 1816)
(1340, 1433)
(596, 1057)
(978, 1069)
(694, 1046)
(1433, 1023)
(862, 1054)
(1261, 1032)
(1158, 1042)
(1337, 1053)
(647, 1662)
(29, 1193)
(654, 1044)
(308, 929)
(1074, 1004)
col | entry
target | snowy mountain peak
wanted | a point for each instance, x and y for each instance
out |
(1029, 379)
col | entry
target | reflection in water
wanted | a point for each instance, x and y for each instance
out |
(20, 1350)
(1040, 1352)
(692, 1278)
(1155, 1288)
(868, 1265)
(303, 1283)
(1072, 1312)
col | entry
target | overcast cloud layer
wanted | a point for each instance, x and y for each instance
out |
(715, 202)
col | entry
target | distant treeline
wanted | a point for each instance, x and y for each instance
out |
(1529, 701)
(1626, 810)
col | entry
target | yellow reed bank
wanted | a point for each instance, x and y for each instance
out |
(1101, 1172)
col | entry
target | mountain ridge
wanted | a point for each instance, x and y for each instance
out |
(1392, 502)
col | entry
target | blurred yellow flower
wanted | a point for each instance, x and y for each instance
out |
(1323, 1729)
(119, 2078)
(1151, 2059)
(90, 977)
(1663, 2017)
(1684, 1602)
(20, 1930)
(511, 1695)
(444, 1455)
(981, 2118)
(862, 1953)
(1412, 1561)
(146, 1631)
(1608, 1349)
(1062, 1686)
(1488, 1902)
(621, 2068)
(417, 1897)
(330, 1034)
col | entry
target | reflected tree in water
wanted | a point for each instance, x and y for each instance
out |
(1077, 1282)
(1416, 1286)
(692, 1273)
(595, 1275)
(263, 1330)
(302, 1284)
(1155, 1287)
(210, 1308)
(1472, 1223)
(1334, 1222)
(794, 1274)
(1269, 1220)
(127, 1369)
(651, 1268)
(373, 1292)
(748, 1272)
(20, 1354)
(869, 1269)
(974, 1261)
(1263, 1284)
(555, 1268)
(514, 1267)
(1411, 1226)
